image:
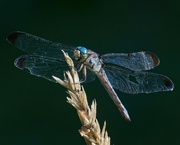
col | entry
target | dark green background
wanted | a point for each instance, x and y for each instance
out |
(34, 111)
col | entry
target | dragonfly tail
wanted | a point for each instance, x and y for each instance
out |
(123, 111)
(105, 82)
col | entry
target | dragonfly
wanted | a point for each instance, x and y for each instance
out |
(126, 72)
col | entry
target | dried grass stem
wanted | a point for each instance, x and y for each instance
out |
(90, 129)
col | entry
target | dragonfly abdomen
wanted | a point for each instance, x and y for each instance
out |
(105, 82)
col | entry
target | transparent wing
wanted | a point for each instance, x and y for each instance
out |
(39, 46)
(41, 66)
(135, 82)
(47, 58)
(44, 67)
(133, 61)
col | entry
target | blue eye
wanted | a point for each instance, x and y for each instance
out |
(82, 50)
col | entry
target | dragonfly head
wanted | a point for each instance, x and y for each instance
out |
(80, 53)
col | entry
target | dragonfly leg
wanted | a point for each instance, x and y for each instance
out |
(84, 74)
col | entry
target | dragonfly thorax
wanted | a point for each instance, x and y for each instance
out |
(88, 58)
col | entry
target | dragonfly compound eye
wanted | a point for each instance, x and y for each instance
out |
(82, 53)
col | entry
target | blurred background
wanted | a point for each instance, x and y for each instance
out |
(34, 111)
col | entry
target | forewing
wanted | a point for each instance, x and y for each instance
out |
(38, 46)
(133, 61)
(135, 82)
